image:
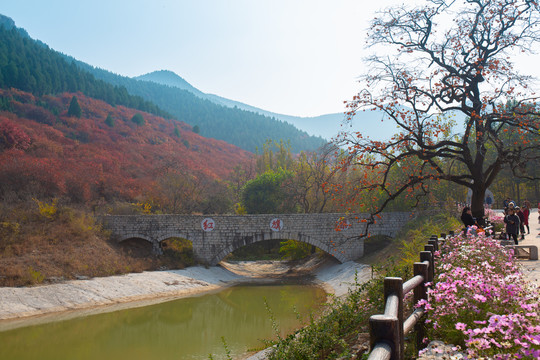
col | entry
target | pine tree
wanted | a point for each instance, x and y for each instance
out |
(138, 119)
(74, 108)
(109, 121)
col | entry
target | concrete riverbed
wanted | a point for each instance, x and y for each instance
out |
(139, 289)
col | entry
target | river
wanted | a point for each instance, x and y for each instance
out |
(187, 328)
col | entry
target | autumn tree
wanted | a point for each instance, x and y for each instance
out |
(441, 60)
(311, 171)
(274, 155)
(238, 177)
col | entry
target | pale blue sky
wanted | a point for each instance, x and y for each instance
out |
(295, 57)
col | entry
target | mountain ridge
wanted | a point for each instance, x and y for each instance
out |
(326, 126)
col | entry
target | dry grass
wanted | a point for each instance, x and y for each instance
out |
(37, 248)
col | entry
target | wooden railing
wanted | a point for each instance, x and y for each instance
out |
(388, 330)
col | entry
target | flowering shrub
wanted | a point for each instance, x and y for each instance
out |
(496, 218)
(481, 301)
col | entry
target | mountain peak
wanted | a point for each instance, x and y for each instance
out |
(7, 22)
(169, 78)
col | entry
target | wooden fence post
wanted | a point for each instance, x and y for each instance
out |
(387, 331)
(435, 244)
(420, 292)
(429, 248)
(394, 285)
(428, 256)
(384, 329)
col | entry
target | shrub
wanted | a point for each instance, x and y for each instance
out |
(35, 276)
(12, 137)
(47, 210)
(294, 250)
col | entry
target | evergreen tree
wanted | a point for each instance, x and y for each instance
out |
(74, 108)
(109, 121)
(138, 119)
(176, 132)
(196, 129)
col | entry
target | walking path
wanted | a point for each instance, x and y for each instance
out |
(531, 268)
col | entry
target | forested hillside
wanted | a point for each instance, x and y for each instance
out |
(31, 66)
(325, 126)
(242, 128)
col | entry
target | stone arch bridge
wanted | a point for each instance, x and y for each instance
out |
(215, 236)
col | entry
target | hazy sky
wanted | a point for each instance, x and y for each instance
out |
(295, 57)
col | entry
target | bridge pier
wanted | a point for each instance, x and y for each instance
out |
(156, 248)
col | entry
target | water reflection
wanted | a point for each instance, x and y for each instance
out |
(189, 328)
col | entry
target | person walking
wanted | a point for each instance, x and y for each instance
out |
(512, 225)
(521, 216)
(526, 212)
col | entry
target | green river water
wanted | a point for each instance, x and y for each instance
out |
(188, 328)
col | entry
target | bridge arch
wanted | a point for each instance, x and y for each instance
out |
(128, 236)
(248, 240)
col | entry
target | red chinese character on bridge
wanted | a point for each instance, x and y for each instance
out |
(342, 224)
(276, 224)
(208, 224)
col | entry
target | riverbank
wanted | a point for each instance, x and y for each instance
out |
(20, 306)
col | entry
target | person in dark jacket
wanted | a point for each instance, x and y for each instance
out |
(512, 225)
(521, 216)
(467, 218)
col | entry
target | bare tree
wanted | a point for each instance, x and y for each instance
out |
(436, 61)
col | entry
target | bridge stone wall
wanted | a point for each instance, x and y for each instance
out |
(226, 233)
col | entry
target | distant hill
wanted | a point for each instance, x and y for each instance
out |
(166, 77)
(216, 117)
(369, 123)
(324, 126)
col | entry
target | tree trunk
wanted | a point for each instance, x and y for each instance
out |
(477, 204)
(536, 193)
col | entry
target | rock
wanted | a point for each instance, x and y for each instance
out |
(438, 350)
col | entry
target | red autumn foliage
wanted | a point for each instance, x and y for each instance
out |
(84, 159)
(11, 136)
